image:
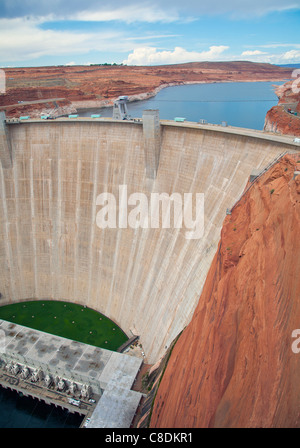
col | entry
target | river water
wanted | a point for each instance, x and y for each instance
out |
(241, 104)
(17, 411)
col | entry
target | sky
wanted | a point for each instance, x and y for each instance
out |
(156, 32)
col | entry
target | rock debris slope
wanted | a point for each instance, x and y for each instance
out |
(233, 365)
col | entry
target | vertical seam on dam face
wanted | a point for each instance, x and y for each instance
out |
(5, 143)
(152, 138)
(147, 280)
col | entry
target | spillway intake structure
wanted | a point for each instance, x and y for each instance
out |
(147, 280)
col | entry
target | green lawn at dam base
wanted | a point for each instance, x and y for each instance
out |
(68, 320)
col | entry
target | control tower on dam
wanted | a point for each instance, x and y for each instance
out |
(57, 177)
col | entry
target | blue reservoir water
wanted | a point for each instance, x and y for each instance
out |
(18, 411)
(242, 104)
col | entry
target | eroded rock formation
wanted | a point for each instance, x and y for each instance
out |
(282, 118)
(233, 365)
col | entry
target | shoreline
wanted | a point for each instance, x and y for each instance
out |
(102, 104)
(98, 87)
(75, 107)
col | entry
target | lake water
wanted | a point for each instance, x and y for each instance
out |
(242, 104)
(17, 411)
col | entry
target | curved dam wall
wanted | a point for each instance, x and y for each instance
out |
(147, 280)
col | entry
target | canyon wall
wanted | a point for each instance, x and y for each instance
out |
(147, 280)
(282, 118)
(233, 366)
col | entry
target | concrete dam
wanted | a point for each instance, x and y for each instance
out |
(147, 280)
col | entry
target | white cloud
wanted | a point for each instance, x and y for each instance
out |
(258, 8)
(292, 55)
(252, 52)
(279, 45)
(153, 36)
(129, 14)
(150, 55)
(148, 11)
(288, 57)
(22, 39)
(169, 10)
(26, 38)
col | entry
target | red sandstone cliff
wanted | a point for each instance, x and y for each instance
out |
(233, 365)
(278, 119)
